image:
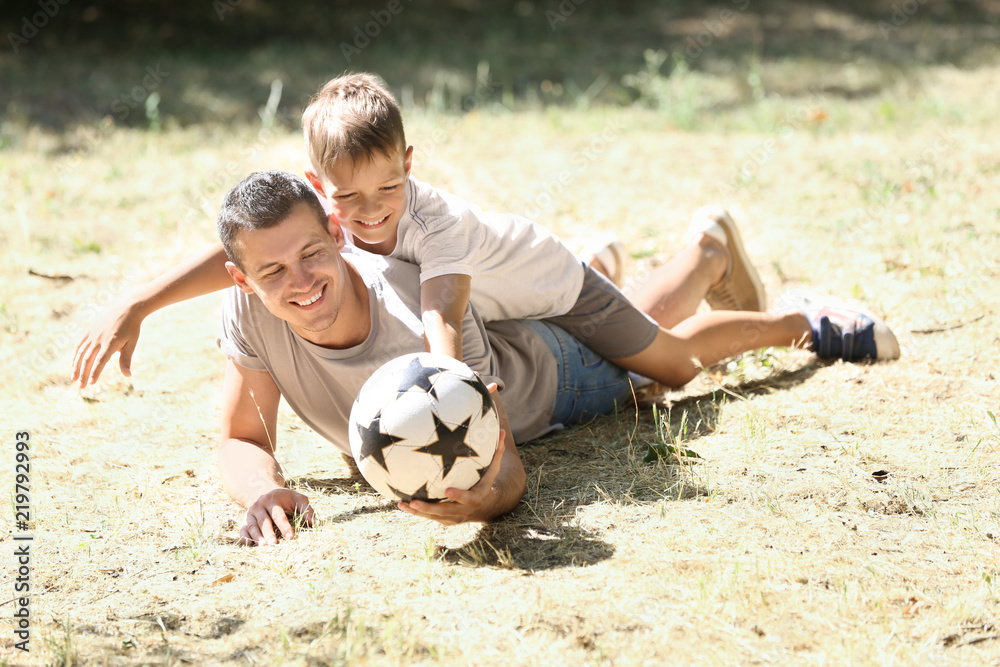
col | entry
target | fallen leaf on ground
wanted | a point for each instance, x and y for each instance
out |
(223, 579)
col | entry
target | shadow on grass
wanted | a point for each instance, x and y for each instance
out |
(353, 485)
(697, 415)
(603, 461)
(510, 544)
(331, 485)
(217, 69)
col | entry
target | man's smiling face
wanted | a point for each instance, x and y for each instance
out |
(296, 270)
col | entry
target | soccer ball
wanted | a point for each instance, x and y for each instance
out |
(423, 423)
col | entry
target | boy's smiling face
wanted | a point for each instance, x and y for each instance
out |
(368, 198)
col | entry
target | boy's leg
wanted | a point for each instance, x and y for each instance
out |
(674, 353)
(832, 330)
(611, 325)
(631, 331)
(677, 355)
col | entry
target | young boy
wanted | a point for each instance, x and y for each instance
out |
(509, 267)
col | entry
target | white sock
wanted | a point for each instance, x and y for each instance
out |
(706, 225)
(607, 259)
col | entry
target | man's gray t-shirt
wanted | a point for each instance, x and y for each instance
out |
(320, 384)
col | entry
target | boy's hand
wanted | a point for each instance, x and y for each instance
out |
(270, 512)
(114, 330)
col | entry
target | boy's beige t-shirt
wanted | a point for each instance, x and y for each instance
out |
(320, 384)
(518, 268)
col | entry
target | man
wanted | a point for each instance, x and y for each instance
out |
(311, 323)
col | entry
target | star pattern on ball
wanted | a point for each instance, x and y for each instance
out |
(450, 444)
(419, 494)
(374, 441)
(481, 389)
(418, 375)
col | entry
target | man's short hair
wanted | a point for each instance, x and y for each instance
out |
(352, 117)
(260, 201)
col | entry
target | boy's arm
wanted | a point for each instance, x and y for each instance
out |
(443, 301)
(247, 467)
(117, 328)
(498, 492)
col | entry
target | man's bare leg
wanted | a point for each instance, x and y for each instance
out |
(688, 342)
(671, 293)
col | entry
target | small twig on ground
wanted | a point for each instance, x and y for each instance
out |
(50, 276)
(979, 640)
(950, 327)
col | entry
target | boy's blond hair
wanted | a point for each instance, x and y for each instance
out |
(352, 117)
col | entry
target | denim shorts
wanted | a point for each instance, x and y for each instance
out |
(588, 385)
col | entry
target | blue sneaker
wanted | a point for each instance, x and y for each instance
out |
(843, 332)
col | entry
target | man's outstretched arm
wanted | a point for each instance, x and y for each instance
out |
(117, 328)
(249, 472)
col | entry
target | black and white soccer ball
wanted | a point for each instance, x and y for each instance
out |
(423, 423)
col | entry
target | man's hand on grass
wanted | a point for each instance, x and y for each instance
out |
(270, 512)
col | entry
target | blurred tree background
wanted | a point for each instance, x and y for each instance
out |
(154, 62)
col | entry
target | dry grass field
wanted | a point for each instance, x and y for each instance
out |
(838, 514)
